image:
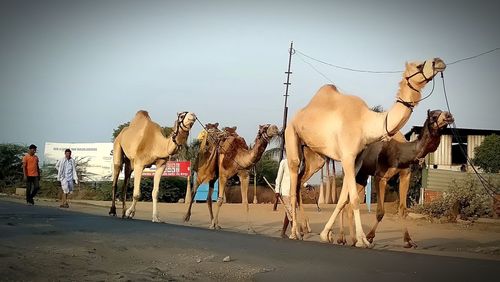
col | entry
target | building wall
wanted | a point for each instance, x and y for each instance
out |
(472, 142)
(442, 156)
(437, 181)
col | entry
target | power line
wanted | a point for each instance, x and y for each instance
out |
(475, 56)
(344, 68)
(383, 71)
(315, 69)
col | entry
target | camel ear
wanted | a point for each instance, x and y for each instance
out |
(428, 112)
(216, 124)
(234, 128)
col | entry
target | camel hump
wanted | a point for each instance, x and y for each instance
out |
(140, 117)
(142, 114)
(329, 87)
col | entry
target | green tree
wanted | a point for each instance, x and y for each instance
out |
(166, 130)
(11, 168)
(267, 166)
(487, 155)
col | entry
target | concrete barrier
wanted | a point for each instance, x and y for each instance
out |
(21, 191)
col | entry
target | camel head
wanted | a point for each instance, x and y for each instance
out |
(418, 74)
(182, 126)
(268, 131)
(437, 121)
(209, 126)
(185, 121)
(230, 130)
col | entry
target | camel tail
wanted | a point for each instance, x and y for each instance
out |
(117, 156)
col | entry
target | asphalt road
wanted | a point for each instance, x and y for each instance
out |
(27, 228)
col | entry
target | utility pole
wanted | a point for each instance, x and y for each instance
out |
(285, 111)
(285, 108)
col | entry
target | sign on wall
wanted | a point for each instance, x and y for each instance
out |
(98, 157)
(173, 168)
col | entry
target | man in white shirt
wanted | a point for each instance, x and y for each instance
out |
(283, 188)
(66, 173)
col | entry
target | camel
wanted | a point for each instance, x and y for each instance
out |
(226, 154)
(387, 159)
(140, 145)
(339, 127)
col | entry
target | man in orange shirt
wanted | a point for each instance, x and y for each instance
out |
(31, 174)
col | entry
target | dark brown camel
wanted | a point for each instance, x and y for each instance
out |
(386, 159)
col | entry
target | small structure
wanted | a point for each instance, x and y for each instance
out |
(447, 162)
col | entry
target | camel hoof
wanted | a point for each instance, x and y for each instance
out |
(130, 214)
(187, 217)
(156, 219)
(326, 236)
(370, 236)
(214, 226)
(112, 211)
(300, 235)
(410, 244)
(112, 214)
(308, 227)
(363, 243)
(250, 230)
(341, 240)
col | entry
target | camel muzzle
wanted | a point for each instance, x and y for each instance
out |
(439, 65)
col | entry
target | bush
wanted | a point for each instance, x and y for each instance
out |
(11, 168)
(487, 155)
(466, 198)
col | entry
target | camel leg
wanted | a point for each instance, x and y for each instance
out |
(160, 167)
(116, 173)
(341, 240)
(137, 190)
(350, 223)
(349, 186)
(117, 167)
(326, 234)
(293, 157)
(380, 185)
(313, 162)
(220, 200)
(127, 173)
(244, 177)
(190, 204)
(211, 185)
(404, 185)
(350, 213)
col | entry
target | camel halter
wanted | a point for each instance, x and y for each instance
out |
(265, 136)
(429, 123)
(421, 71)
(180, 125)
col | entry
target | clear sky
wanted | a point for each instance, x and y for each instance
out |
(71, 71)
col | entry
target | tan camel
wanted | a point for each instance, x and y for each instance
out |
(386, 159)
(226, 155)
(140, 145)
(339, 127)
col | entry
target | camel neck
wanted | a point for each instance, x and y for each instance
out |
(417, 149)
(169, 147)
(427, 142)
(406, 99)
(253, 155)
